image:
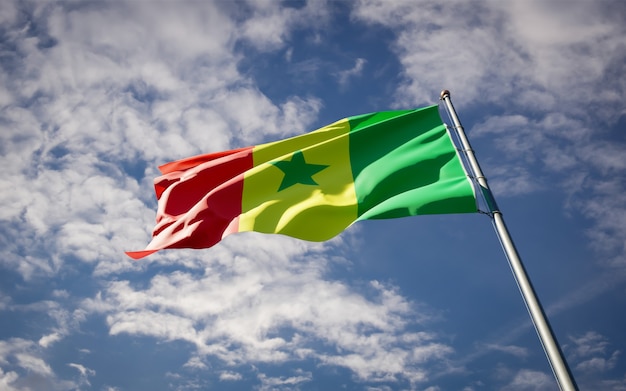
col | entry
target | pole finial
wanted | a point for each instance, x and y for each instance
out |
(444, 94)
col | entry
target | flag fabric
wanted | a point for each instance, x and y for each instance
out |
(375, 166)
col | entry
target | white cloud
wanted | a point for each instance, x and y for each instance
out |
(49, 339)
(598, 364)
(196, 363)
(473, 47)
(60, 293)
(512, 181)
(492, 50)
(230, 376)
(270, 24)
(64, 319)
(590, 343)
(84, 374)
(614, 385)
(274, 307)
(24, 368)
(530, 380)
(273, 383)
(568, 47)
(592, 352)
(7, 379)
(163, 326)
(345, 76)
(82, 369)
(8, 348)
(514, 350)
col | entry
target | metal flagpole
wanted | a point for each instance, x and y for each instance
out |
(559, 366)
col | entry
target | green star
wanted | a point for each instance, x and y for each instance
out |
(297, 170)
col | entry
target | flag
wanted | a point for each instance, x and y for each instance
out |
(374, 166)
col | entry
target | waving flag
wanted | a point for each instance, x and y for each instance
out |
(374, 166)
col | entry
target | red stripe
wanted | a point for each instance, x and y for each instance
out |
(198, 203)
(185, 164)
(213, 217)
(190, 186)
(139, 254)
(173, 171)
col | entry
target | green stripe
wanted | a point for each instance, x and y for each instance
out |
(404, 164)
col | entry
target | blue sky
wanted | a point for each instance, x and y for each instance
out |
(95, 95)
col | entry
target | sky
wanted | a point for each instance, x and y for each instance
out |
(95, 95)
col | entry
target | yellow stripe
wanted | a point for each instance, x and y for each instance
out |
(304, 211)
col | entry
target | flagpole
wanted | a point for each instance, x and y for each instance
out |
(559, 366)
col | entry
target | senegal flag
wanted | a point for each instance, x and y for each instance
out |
(313, 186)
